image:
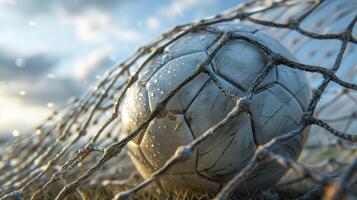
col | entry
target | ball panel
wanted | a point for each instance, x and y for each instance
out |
(153, 66)
(208, 108)
(296, 83)
(136, 109)
(171, 75)
(157, 62)
(274, 112)
(184, 46)
(241, 62)
(273, 45)
(163, 136)
(229, 86)
(259, 177)
(139, 160)
(292, 79)
(190, 43)
(234, 27)
(270, 79)
(187, 94)
(266, 173)
(218, 156)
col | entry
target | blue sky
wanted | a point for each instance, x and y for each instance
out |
(52, 50)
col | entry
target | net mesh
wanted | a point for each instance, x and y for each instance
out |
(77, 152)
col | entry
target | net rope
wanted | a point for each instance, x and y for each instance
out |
(82, 145)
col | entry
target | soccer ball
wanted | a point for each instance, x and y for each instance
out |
(275, 109)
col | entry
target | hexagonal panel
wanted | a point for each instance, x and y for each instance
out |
(229, 151)
(157, 62)
(139, 160)
(190, 43)
(135, 108)
(184, 97)
(153, 66)
(229, 87)
(241, 63)
(171, 75)
(274, 112)
(210, 106)
(234, 27)
(269, 172)
(273, 44)
(296, 83)
(261, 176)
(163, 136)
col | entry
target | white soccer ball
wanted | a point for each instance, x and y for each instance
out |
(275, 109)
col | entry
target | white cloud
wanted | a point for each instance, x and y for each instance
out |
(152, 23)
(178, 7)
(17, 114)
(11, 2)
(85, 65)
(97, 27)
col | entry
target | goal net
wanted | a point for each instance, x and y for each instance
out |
(80, 153)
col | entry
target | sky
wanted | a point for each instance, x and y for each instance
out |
(53, 50)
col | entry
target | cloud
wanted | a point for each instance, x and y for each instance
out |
(26, 90)
(57, 90)
(7, 2)
(89, 65)
(152, 23)
(22, 111)
(16, 114)
(42, 91)
(29, 67)
(178, 7)
(40, 7)
(97, 27)
(30, 75)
